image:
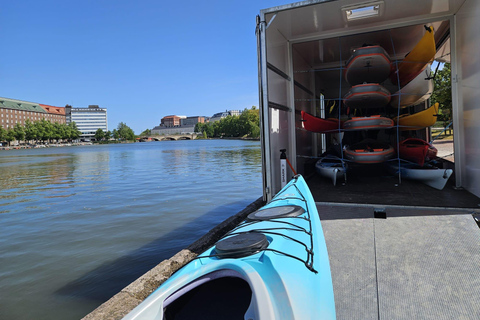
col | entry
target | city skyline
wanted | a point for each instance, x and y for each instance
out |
(133, 58)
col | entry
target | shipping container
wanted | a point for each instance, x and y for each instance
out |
(303, 50)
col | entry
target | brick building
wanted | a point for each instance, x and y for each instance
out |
(14, 111)
(171, 121)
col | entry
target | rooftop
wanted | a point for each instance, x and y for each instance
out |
(21, 105)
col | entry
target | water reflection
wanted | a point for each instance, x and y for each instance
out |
(76, 224)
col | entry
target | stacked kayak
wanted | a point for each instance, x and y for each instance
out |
(416, 91)
(315, 124)
(369, 151)
(427, 174)
(419, 120)
(417, 59)
(368, 123)
(273, 266)
(367, 95)
(332, 167)
(370, 64)
(416, 150)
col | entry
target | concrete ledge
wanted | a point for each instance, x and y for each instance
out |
(131, 296)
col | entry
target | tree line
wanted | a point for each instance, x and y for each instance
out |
(41, 130)
(245, 125)
(122, 132)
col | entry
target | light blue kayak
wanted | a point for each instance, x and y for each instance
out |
(272, 266)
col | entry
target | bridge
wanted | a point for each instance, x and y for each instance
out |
(169, 137)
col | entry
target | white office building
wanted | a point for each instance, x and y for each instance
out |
(88, 120)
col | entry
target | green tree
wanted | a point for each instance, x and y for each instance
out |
(115, 134)
(40, 130)
(10, 135)
(442, 93)
(30, 130)
(250, 123)
(108, 135)
(48, 130)
(3, 134)
(59, 131)
(19, 132)
(125, 132)
(99, 134)
(73, 132)
(146, 132)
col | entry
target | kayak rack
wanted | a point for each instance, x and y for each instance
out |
(308, 262)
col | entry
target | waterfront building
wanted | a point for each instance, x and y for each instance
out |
(220, 115)
(173, 130)
(171, 121)
(57, 114)
(88, 120)
(13, 111)
(191, 121)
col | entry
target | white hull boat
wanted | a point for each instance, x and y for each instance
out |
(416, 91)
(332, 167)
(431, 176)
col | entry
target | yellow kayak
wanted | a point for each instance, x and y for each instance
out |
(419, 120)
(417, 59)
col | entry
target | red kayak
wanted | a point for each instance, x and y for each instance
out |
(315, 124)
(417, 150)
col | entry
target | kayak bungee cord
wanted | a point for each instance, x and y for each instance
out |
(308, 262)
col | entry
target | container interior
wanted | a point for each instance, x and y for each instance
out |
(307, 46)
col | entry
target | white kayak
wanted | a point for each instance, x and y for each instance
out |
(332, 167)
(416, 91)
(431, 176)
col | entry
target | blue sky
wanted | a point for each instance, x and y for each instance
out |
(141, 60)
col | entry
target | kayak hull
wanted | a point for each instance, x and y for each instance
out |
(332, 168)
(370, 64)
(369, 152)
(434, 177)
(288, 278)
(419, 120)
(415, 92)
(416, 150)
(366, 96)
(416, 60)
(368, 123)
(315, 124)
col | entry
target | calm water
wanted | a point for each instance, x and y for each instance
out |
(78, 224)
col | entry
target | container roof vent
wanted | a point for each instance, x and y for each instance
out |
(363, 10)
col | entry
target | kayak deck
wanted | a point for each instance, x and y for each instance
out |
(418, 263)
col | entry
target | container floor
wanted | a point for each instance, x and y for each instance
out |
(372, 184)
(414, 263)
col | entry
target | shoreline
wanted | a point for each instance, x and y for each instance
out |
(52, 145)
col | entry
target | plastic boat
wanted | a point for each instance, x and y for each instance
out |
(332, 167)
(416, 60)
(370, 64)
(369, 151)
(416, 91)
(419, 120)
(416, 150)
(368, 123)
(427, 174)
(315, 124)
(367, 95)
(273, 266)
